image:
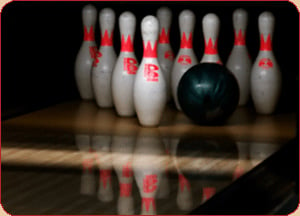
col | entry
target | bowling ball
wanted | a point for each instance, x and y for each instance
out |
(208, 93)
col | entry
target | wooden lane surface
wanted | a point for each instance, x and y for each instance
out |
(52, 159)
(47, 137)
(85, 117)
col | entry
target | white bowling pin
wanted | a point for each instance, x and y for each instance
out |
(102, 146)
(105, 60)
(150, 94)
(265, 73)
(186, 57)
(165, 53)
(125, 69)
(147, 167)
(86, 54)
(211, 27)
(239, 62)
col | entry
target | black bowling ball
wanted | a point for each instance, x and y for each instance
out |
(208, 93)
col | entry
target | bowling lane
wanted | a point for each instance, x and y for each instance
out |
(75, 159)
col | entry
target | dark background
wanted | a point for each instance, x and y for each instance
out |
(40, 41)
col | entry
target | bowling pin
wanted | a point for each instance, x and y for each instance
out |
(186, 57)
(239, 62)
(105, 60)
(265, 73)
(211, 27)
(125, 69)
(102, 146)
(150, 94)
(86, 54)
(147, 167)
(165, 53)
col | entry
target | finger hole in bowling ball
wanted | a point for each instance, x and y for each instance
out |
(208, 93)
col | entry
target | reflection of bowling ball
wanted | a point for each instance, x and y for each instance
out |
(208, 93)
(207, 157)
(207, 163)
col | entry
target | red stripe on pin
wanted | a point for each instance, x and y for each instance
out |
(210, 48)
(89, 34)
(107, 40)
(126, 45)
(239, 39)
(186, 42)
(265, 45)
(164, 37)
(150, 52)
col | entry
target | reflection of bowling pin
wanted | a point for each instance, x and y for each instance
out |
(207, 193)
(259, 151)
(105, 60)
(102, 144)
(184, 194)
(82, 121)
(148, 167)
(211, 27)
(164, 186)
(186, 57)
(86, 54)
(122, 149)
(265, 74)
(125, 69)
(150, 86)
(243, 160)
(164, 50)
(239, 62)
(88, 184)
(184, 197)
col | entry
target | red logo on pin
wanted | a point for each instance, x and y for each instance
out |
(184, 60)
(130, 65)
(125, 189)
(95, 54)
(169, 55)
(149, 183)
(265, 63)
(150, 72)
